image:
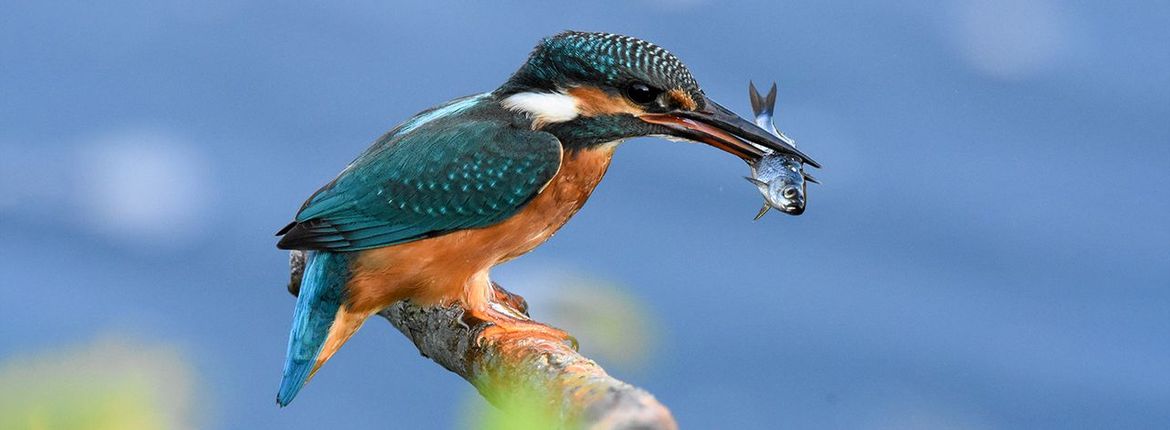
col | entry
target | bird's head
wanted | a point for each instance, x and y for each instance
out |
(594, 88)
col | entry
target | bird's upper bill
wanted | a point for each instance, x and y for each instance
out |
(717, 126)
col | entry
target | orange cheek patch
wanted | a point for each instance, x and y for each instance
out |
(682, 98)
(592, 101)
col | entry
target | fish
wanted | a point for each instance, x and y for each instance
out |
(780, 178)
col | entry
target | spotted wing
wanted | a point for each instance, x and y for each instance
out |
(466, 175)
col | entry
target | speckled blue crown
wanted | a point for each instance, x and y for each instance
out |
(574, 57)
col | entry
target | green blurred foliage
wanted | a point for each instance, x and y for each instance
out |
(613, 326)
(113, 383)
(522, 412)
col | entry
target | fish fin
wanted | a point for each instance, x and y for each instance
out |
(763, 211)
(810, 178)
(755, 181)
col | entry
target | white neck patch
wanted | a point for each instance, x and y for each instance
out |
(544, 108)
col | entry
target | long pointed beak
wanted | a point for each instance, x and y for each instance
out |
(719, 127)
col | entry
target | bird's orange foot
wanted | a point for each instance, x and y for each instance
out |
(509, 323)
(515, 329)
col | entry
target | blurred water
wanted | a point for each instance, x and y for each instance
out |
(988, 250)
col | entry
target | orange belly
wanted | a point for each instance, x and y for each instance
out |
(450, 267)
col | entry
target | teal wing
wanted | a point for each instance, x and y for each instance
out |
(430, 181)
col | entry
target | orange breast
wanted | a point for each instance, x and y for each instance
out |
(439, 269)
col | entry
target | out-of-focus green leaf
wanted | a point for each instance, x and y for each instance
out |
(111, 384)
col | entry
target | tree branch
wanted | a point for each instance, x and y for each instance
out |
(519, 373)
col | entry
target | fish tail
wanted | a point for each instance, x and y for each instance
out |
(762, 105)
(756, 98)
(770, 101)
(319, 320)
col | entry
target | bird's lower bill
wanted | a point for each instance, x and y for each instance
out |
(693, 130)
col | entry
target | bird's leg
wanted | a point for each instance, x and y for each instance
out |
(515, 301)
(507, 314)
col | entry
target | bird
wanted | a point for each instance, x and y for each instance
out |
(432, 205)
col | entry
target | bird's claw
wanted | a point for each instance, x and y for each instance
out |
(572, 342)
(461, 320)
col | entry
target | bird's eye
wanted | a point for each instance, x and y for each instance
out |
(641, 93)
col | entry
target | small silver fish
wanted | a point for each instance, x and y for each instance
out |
(780, 177)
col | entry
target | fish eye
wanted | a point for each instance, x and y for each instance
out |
(641, 93)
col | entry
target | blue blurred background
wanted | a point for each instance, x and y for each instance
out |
(990, 248)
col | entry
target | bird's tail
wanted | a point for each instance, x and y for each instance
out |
(321, 321)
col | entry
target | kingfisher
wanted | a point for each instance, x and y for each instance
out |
(428, 209)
